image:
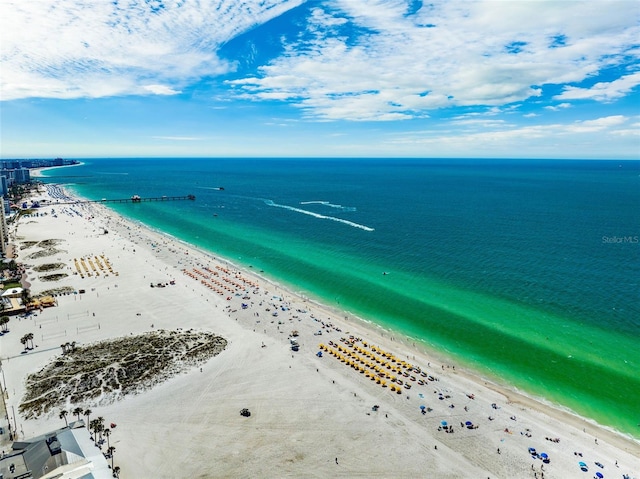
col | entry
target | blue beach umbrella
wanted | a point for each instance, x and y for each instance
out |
(423, 407)
(582, 464)
(532, 450)
(544, 455)
(443, 423)
(468, 423)
(599, 475)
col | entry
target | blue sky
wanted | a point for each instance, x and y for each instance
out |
(334, 78)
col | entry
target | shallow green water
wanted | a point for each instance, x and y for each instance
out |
(502, 268)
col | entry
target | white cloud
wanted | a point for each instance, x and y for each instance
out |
(98, 48)
(559, 106)
(602, 91)
(599, 124)
(633, 131)
(161, 90)
(506, 134)
(361, 60)
(479, 122)
(447, 54)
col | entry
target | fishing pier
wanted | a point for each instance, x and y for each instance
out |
(133, 199)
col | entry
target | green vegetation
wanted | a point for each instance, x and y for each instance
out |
(114, 368)
(53, 277)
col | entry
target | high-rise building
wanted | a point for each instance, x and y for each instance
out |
(4, 186)
(4, 232)
(22, 175)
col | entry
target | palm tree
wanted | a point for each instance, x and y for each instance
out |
(78, 412)
(4, 320)
(116, 471)
(100, 424)
(111, 450)
(107, 433)
(29, 337)
(23, 340)
(97, 430)
(25, 295)
(63, 415)
(87, 413)
(92, 427)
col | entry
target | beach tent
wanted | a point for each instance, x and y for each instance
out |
(47, 301)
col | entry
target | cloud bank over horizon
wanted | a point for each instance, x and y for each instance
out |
(412, 75)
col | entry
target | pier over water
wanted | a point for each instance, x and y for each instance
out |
(133, 199)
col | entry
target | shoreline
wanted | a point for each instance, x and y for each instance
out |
(415, 345)
(459, 378)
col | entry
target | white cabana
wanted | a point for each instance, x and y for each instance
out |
(12, 293)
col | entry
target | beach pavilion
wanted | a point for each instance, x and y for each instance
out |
(12, 302)
(67, 453)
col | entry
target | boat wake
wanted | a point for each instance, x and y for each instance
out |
(330, 205)
(318, 215)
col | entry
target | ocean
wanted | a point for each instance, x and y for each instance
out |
(525, 271)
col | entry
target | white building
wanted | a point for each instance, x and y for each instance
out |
(68, 453)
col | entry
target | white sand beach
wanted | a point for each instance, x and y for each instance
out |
(311, 416)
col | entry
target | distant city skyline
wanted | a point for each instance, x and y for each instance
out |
(333, 78)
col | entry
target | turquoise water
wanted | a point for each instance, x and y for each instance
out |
(525, 271)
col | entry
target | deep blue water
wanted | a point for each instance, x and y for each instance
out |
(527, 270)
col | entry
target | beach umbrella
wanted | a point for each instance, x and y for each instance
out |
(532, 450)
(599, 475)
(468, 423)
(544, 455)
(423, 407)
(582, 464)
(443, 423)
